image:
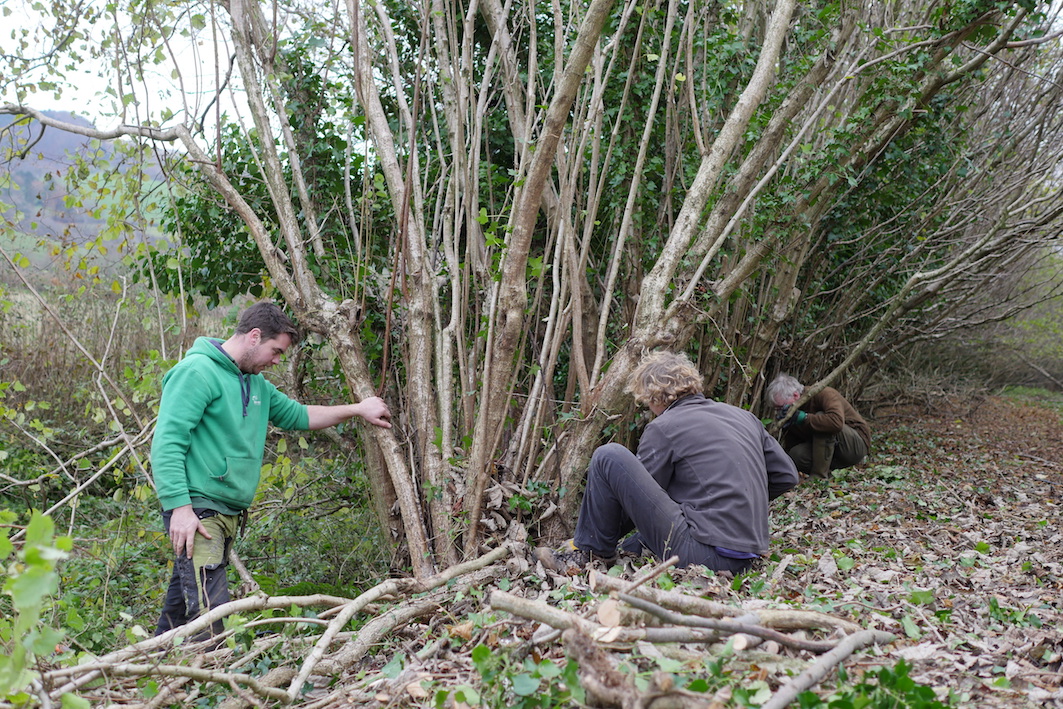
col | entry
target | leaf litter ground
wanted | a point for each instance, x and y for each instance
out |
(948, 538)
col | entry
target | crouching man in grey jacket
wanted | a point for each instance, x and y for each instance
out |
(698, 488)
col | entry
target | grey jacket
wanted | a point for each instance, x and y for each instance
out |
(722, 466)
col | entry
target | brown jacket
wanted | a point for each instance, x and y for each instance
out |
(828, 412)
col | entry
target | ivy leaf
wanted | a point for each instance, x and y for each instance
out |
(394, 667)
(548, 670)
(668, 664)
(467, 694)
(525, 685)
(72, 701)
(922, 598)
(480, 656)
(910, 628)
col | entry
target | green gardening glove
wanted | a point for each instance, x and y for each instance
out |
(796, 418)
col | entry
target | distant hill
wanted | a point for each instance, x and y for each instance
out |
(42, 145)
(56, 188)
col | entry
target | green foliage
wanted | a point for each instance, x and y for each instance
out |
(220, 259)
(111, 587)
(29, 584)
(885, 688)
(521, 684)
(313, 521)
(49, 400)
(213, 253)
(1042, 397)
(1012, 617)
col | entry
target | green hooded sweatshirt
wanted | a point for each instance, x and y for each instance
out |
(211, 430)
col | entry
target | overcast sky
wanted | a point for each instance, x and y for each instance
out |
(83, 90)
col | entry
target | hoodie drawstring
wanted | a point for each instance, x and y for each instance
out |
(245, 390)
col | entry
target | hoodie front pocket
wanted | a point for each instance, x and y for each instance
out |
(237, 485)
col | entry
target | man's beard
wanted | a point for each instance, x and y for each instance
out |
(246, 363)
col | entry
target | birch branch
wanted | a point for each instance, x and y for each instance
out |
(825, 664)
(390, 587)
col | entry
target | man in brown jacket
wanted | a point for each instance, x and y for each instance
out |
(825, 434)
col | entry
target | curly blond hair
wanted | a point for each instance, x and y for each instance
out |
(663, 377)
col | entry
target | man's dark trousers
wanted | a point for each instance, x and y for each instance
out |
(199, 584)
(621, 495)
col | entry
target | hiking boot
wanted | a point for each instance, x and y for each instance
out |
(568, 558)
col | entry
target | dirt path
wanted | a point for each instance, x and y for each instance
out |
(949, 536)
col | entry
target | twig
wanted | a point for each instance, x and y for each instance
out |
(1042, 461)
(1040, 370)
(250, 586)
(770, 618)
(38, 688)
(780, 569)
(377, 592)
(653, 573)
(603, 684)
(729, 626)
(258, 652)
(276, 677)
(563, 620)
(129, 670)
(166, 690)
(127, 447)
(152, 646)
(73, 338)
(372, 632)
(814, 674)
(273, 621)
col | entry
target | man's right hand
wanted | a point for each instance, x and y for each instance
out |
(184, 525)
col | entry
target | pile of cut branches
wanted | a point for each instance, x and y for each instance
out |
(632, 619)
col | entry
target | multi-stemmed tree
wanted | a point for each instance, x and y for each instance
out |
(489, 211)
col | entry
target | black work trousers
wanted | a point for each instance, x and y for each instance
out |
(199, 584)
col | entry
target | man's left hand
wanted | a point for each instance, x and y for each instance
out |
(375, 411)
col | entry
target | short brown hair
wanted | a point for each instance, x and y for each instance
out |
(270, 321)
(663, 377)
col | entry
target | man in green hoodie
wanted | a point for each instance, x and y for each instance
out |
(206, 454)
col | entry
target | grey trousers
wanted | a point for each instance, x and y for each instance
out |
(622, 496)
(826, 452)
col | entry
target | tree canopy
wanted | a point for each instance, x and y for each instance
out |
(489, 212)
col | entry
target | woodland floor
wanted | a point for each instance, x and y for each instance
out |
(951, 538)
(948, 538)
